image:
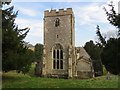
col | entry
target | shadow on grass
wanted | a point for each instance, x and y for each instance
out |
(4, 77)
(13, 76)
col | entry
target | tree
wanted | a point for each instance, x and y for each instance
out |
(113, 17)
(38, 52)
(25, 60)
(102, 40)
(16, 55)
(110, 55)
(38, 58)
(94, 51)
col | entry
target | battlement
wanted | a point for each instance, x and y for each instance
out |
(68, 11)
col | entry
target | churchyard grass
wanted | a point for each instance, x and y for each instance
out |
(15, 80)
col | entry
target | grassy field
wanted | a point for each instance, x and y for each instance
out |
(15, 80)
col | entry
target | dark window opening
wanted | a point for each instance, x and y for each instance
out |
(57, 22)
(54, 54)
(61, 54)
(57, 64)
(57, 54)
(57, 36)
(61, 64)
(54, 64)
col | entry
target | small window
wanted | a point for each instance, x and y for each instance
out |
(57, 36)
(57, 22)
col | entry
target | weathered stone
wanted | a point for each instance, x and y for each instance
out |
(60, 56)
(38, 68)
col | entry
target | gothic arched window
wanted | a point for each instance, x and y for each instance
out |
(57, 57)
(57, 22)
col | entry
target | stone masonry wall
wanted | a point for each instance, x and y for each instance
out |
(63, 34)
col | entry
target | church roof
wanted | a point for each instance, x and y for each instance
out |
(82, 53)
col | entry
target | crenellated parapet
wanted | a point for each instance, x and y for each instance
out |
(48, 13)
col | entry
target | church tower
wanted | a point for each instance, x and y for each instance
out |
(59, 36)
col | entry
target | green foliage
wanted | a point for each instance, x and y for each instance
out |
(104, 70)
(111, 55)
(94, 51)
(113, 17)
(16, 55)
(25, 61)
(25, 81)
(102, 40)
(38, 52)
(32, 70)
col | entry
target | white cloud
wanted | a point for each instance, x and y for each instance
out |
(110, 34)
(29, 12)
(115, 3)
(36, 28)
(26, 11)
(91, 14)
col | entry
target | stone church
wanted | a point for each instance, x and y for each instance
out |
(60, 56)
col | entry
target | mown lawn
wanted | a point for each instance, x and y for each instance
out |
(15, 80)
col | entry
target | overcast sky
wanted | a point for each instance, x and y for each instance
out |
(88, 14)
